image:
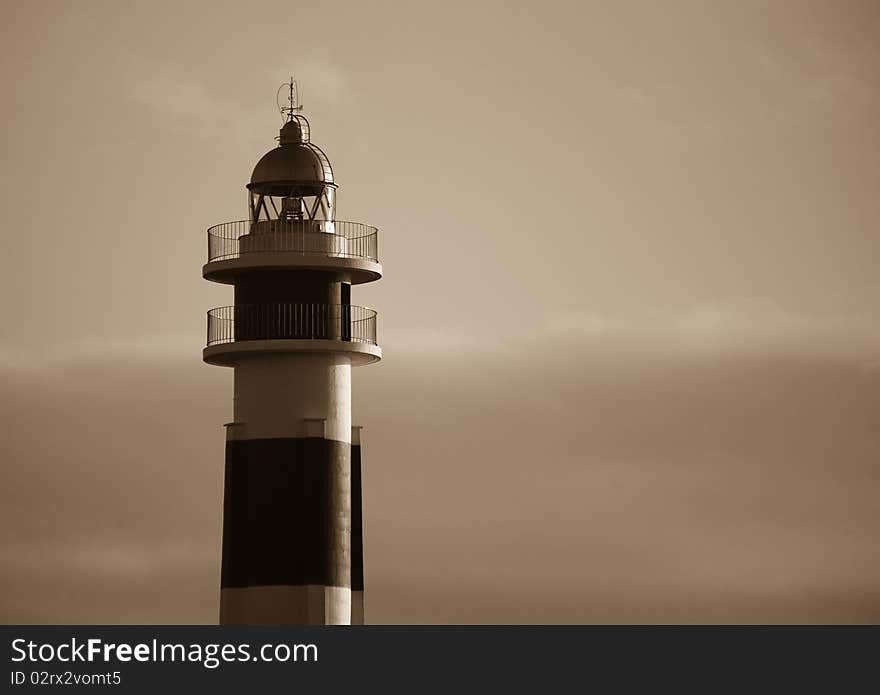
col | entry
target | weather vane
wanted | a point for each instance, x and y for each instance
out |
(293, 106)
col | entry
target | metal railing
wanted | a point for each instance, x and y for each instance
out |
(298, 321)
(336, 238)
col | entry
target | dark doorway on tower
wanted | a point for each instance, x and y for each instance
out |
(345, 299)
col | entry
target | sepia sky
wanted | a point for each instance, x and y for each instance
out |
(630, 317)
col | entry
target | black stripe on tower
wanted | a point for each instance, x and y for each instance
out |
(285, 514)
(357, 522)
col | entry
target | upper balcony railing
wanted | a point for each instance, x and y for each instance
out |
(294, 321)
(332, 239)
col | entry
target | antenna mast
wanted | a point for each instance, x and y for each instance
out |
(293, 107)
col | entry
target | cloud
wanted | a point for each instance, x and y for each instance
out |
(324, 81)
(190, 106)
(153, 347)
(571, 484)
(744, 328)
(320, 82)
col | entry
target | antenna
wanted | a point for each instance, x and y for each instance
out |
(289, 111)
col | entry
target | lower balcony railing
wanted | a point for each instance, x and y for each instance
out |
(298, 321)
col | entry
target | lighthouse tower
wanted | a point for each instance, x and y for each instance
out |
(292, 545)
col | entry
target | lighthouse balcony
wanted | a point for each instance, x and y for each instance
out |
(349, 250)
(293, 327)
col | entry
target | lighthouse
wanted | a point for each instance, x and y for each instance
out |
(292, 520)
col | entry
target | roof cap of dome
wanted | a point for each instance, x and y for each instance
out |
(292, 133)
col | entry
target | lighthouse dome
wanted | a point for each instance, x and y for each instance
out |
(294, 162)
(301, 163)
